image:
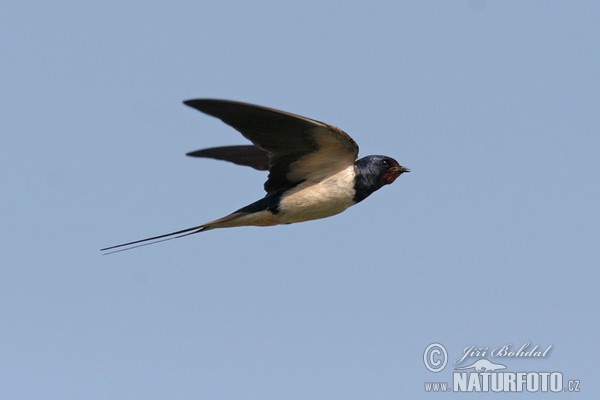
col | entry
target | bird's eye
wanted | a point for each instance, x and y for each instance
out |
(385, 163)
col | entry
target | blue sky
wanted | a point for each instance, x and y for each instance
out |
(492, 239)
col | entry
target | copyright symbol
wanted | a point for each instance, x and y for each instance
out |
(435, 357)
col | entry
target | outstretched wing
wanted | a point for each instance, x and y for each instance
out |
(299, 148)
(250, 156)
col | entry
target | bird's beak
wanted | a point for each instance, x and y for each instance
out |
(399, 169)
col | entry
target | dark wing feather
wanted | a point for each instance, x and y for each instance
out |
(250, 156)
(299, 148)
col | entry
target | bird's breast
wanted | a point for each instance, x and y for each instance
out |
(314, 200)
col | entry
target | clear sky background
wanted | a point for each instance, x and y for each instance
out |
(492, 239)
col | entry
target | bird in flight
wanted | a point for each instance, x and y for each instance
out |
(314, 170)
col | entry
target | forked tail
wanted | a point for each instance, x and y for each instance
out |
(235, 219)
(155, 239)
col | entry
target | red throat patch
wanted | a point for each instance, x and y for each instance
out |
(390, 177)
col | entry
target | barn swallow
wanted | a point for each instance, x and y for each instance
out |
(314, 170)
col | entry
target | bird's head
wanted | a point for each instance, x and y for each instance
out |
(374, 172)
(380, 170)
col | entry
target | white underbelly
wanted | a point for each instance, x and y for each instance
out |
(311, 200)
